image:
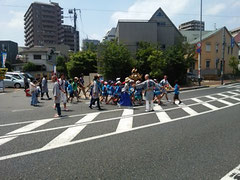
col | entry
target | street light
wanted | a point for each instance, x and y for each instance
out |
(200, 53)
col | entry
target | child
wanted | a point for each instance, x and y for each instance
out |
(104, 92)
(110, 92)
(118, 91)
(176, 93)
(70, 90)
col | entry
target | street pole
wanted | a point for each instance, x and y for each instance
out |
(200, 53)
(75, 30)
(223, 54)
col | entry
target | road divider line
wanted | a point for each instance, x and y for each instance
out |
(71, 132)
(5, 140)
(20, 110)
(233, 175)
(162, 116)
(11, 156)
(125, 122)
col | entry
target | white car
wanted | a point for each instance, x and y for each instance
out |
(18, 75)
(11, 81)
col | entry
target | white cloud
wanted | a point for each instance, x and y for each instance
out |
(236, 4)
(214, 10)
(17, 20)
(144, 9)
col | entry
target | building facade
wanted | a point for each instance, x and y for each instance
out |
(193, 25)
(159, 30)
(212, 52)
(43, 24)
(11, 48)
(236, 35)
(68, 36)
(111, 35)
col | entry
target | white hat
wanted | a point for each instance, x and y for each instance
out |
(118, 79)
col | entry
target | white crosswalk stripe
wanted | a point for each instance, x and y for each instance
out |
(72, 132)
(125, 122)
(210, 106)
(188, 110)
(225, 102)
(162, 116)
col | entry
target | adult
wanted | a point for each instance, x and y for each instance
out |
(26, 84)
(81, 86)
(125, 97)
(45, 87)
(62, 83)
(33, 91)
(95, 93)
(166, 85)
(57, 95)
(148, 85)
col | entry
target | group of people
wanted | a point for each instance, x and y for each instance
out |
(128, 93)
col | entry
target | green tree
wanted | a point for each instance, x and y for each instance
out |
(29, 67)
(157, 64)
(233, 63)
(144, 51)
(82, 62)
(90, 46)
(61, 65)
(115, 61)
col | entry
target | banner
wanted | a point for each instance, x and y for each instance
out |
(4, 58)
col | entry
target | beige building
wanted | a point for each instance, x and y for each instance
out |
(212, 52)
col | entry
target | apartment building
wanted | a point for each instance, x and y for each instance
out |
(193, 25)
(68, 36)
(43, 24)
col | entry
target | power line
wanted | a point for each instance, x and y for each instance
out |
(134, 12)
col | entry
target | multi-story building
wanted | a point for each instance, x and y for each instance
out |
(90, 43)
(68, 36)
(159, 30)
(111, 35)
(212, 52)
(236, 35)
(43, 24)
(193, 25)
(11, 48)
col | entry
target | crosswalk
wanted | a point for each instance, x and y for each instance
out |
(121, 120)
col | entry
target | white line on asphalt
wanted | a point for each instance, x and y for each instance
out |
(71, 132)
(162, 116)
(234, 174)
(125, 123)
(2, 93)
(26, 128)
(233, 93)
(100, 121)
(19, 110)
(211, 97)
(221, 94)
(188, 110)
(225, 102)
(210, 106)
(11, 156)
(235, 98)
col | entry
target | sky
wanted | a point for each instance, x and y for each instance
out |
(99, 16)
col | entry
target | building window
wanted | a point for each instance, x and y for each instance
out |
(159, 14)
(217, 48)
(208, 47)
(37, 57)
(208, 64)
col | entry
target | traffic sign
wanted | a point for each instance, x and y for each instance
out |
(199, 45)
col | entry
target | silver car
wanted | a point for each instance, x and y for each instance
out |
(11, 81)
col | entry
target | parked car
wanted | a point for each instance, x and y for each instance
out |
(18, 75)
(193, 77)
(11, 81)
(29, 76)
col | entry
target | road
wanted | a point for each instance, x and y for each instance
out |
(196, 140)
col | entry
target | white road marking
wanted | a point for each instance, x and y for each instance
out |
(26, 128)
(19, 110)
(188, 110)
(233, 93)
(11, 156)
(225, 102)
(210, 106)
(221, 94)
(235, 98)
(31, 126)
(162, 116)
(2, 94)
(126, 122)
(71, 132)
(211, 97)
(234, 174)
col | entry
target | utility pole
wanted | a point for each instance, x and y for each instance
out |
(200, 53)
(74, 12)
(223, 54)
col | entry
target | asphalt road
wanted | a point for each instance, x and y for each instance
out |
(196, 140)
